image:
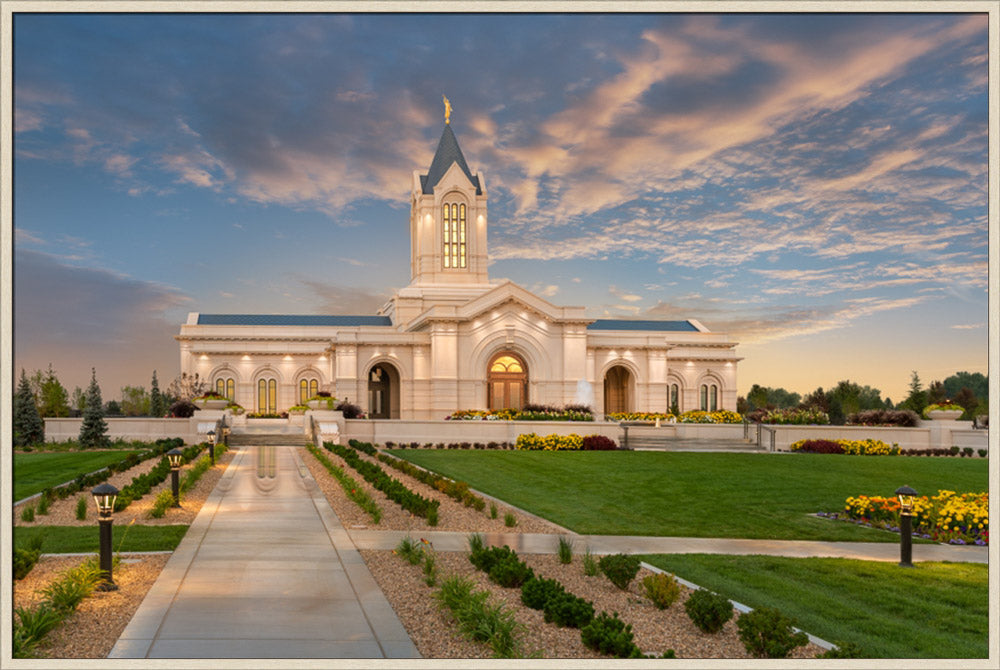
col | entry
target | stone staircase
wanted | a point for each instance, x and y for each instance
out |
(663, 439)
(269, 436)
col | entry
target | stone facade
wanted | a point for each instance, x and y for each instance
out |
(452, 339)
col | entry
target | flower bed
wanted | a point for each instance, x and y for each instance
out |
(790, 417)
(884, 417)
(961, 518)
(571, 442)
(528, 413)
(641, 416)
(720, 416)
(867, 447)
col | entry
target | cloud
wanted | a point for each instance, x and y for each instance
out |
(77, 318)
(622, 295)
(347, 300)
(969, 326)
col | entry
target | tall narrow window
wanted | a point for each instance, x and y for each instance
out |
(713, 398)
(226, 387)
(673, 396)
(704, 398)
(453, 237)
(307, 389)
(267, 396)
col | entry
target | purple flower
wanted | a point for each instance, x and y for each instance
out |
(957, 540)
(980, 542)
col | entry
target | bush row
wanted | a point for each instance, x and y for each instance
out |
(904, 418)
(530, 412)
(142, 484)
(799, 416)
(457, 490)
(351, 487)
(392, 488)
(86, 481)
(571, 442)
(867, 447)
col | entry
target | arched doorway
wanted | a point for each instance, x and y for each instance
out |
(507, 381)
(383, 392)
(617, 390)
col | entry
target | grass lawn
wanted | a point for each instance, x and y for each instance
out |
(935, 610)
(75, 539)
(33, 473)
(767, 496)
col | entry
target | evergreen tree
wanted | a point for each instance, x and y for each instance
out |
(28, 426)
(157, 403)
(54, 401)
(94, 430)
(917, 400)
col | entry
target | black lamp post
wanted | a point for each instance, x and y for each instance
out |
(906, 496)
(105, 495)
(211, 445)
(175, 455)
(225, 436)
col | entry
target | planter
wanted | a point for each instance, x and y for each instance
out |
(210, 403)
(944, 414)
(296, 412)
(323, 403)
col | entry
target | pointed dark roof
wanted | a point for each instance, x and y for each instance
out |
(447, 153)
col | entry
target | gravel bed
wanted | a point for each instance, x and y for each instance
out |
(452, 515)
(655, 630)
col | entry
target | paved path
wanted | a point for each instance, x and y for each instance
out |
(536, 543)
(265, 571)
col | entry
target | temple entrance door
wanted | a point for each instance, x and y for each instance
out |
(617, 390)
(507, 382)
(379, 393)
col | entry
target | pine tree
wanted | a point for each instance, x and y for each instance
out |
(157, 403)
(28, 426)
(53, 396)
(94, 430)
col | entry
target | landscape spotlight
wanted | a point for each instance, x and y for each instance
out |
(105, 495)
(211, 445)
(906, 497)
(174, 456)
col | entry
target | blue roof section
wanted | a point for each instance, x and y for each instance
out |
(291, 320)
(626, 324)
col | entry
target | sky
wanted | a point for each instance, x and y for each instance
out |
(813, 185)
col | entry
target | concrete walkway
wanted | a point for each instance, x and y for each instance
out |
(265, 571)
(537, 543)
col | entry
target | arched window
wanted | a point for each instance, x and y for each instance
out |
(307, 389)
(267, 396)
(674, 397)
(507, 382)
(704, 398)
(226, 386)
(453, 215)
(713, 398)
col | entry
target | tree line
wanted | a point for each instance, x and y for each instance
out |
(970, 390)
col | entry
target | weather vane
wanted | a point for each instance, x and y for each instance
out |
(447, 110)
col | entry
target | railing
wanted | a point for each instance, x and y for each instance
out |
(771, 431)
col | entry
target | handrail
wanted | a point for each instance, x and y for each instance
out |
(772, 431)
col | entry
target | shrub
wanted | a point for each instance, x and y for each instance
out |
(590, 567)
(884, 417)
(28, 514)
(844, 650)
(818, 447)
(75, 584)
(611, 636)
(510, 572)
(494, 512)
(430, 568)
(182, 409)
(569, 611)
(81, 508)
(350, 487)
(565, 550)
(26, 556)
(662, 589)
(485, 558)
(409, 550)
(350, 410)
(164, 501)
(536, 592)
(454, 591)
(33, 625)
(621, 569)
(476, 542)
(45, 500)
(478, 619)
(767, 633)
(509, 520)
(708, 611)
(598, 443)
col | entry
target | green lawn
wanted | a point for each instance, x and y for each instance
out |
(698, 495)
(935, 610)
(75, 539)
(35, 472)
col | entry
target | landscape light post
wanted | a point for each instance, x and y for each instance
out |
(225, 436)
(105, 495)
(211, 445)
(906, 496)
(174, 456)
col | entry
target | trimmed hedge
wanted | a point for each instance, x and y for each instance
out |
(393, 489)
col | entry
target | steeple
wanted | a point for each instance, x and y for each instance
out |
(448, 152)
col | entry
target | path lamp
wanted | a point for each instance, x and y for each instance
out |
(225, 436)
(174, 456)
(906, 496)
(105, 495)
(211, 445)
